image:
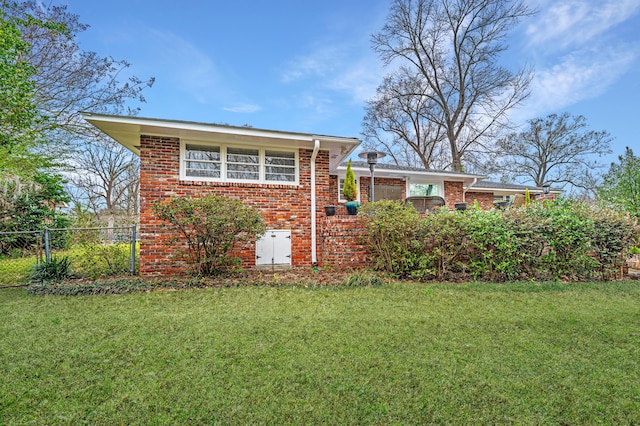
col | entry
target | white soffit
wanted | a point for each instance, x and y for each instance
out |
(127, 131)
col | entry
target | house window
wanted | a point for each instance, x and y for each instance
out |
(280, 166)
(341, 198)
(422, 189)
(202, 161)
(243, 164)
(222, 163)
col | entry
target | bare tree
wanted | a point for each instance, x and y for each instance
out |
(452, 46)
(70, 80)
(556, 150)
(107, 181)
(397, 123)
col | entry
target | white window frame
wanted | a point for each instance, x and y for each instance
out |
(341, 183)
(223, 163)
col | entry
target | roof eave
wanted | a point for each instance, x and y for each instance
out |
(127, 131)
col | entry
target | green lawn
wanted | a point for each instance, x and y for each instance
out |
(86, 261)
(397, 354)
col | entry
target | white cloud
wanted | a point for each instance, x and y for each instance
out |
(349, 69)
(317, 64)
(564, 23)
(243, 108)
(579, 51)
(575, 77)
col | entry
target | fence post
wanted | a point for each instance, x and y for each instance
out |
(47, 246)
(133, 250)
(40, 246)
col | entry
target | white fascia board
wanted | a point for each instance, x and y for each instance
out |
(127, 131)
(413, 173)
(172, 126)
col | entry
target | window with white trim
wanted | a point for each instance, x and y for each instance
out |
(280, 166)
(202, 161)
(238, 164)
(243, 164)
(341, 198)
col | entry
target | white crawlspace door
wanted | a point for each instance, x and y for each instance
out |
(274, 248)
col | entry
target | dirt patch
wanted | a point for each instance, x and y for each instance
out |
(306, 277)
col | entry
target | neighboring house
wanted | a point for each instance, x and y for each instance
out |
(289, 177)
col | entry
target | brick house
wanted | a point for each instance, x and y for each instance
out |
(289, 177)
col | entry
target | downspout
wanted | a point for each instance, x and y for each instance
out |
(316, 148)
(464, 192)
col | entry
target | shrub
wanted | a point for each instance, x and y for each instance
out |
(392, 234)
(567, 229)
(99, 260)
(445, 236)
(28, 206)
(561, 239)
(56, 270)
(363, 279)
(612, 234)
(350, 189)
(492, 246)
(213, 227)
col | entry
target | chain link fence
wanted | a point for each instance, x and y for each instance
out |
(91, 252)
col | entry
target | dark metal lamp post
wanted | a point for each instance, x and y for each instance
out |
(372, 158)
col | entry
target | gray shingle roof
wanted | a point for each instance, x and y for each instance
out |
(387, 166)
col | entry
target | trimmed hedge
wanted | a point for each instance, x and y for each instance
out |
(561, 239)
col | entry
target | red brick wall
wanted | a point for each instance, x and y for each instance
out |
(485, 199)
(340, 242)
(281, 206)
(365, 185)
(452, 193)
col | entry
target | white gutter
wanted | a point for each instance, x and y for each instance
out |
(316, 148)
(465, 190)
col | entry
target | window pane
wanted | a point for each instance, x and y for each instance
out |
(280, 158)
(195, 168)
(240, 155)
(203, 153)
(280, 166)
(243, 171)
(281, 174)
(422, 189)
(387, 192)
(202, 161)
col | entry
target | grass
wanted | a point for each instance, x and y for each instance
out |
(14, 271)
(86, 261)
(397, 354)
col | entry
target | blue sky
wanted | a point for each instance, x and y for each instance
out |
(309, 67)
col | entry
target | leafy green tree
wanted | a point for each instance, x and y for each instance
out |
(20, 120)
(31, 205)
(621, 184)
(212, 228)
